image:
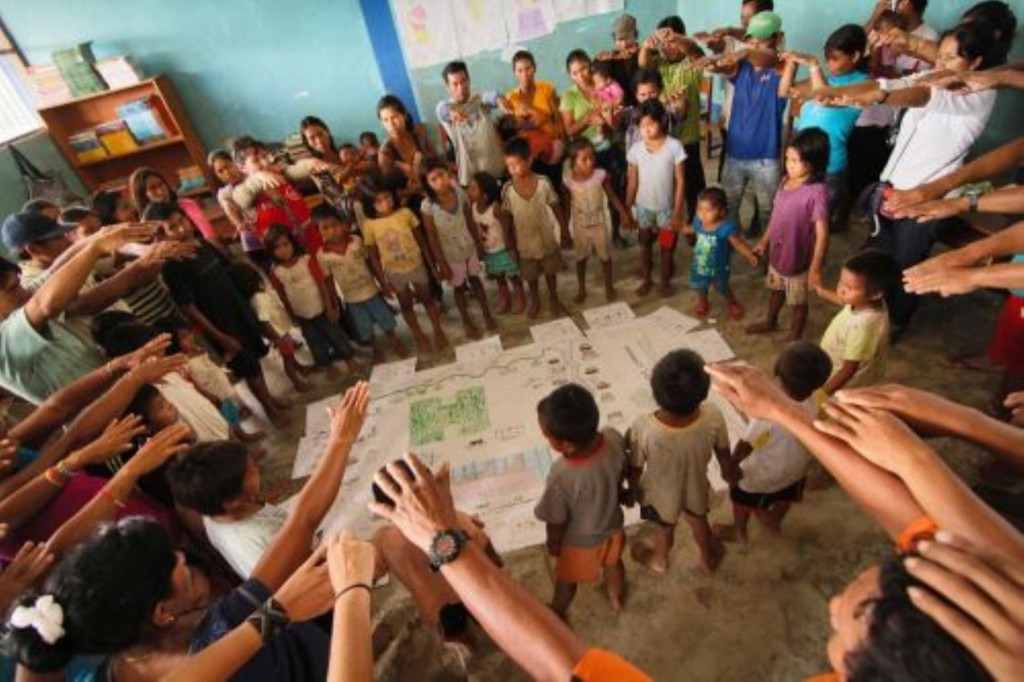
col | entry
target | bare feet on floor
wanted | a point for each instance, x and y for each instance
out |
(643, 554)
(726, 532)
(645, 288)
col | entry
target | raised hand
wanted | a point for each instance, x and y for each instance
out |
(350, 561)
(976, 597)
(115, 440)
(113, 238)
(158, 450)
(750, 390)
(28, 565)
(348, 416)
(154, 369)
(307, 593)
(423, 502)
(877, 435)
(943, 281)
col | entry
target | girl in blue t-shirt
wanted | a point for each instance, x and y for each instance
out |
(846, 52)
(714, 237)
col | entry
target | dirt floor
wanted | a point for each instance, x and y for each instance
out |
(763, 615)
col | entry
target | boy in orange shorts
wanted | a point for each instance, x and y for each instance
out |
(580, 504)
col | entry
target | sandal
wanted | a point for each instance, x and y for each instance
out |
(701, 309)
(735, 311)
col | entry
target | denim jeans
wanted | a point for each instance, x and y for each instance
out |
(909, 243)
(764, 173)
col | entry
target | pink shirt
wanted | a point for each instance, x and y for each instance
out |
(195, 213)
(791, 234)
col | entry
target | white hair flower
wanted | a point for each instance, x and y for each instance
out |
(46, 617)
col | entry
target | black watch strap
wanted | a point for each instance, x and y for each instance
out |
(446, 547)
(268, 620)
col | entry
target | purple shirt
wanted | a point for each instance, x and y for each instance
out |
(791, 235)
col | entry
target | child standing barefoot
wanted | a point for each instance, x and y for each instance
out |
(397, 251)
(453, 244)
(530, 200)
(655, 190)
(344, 262)
(275, 323)
(496, 232)
(771, 465)
(580, 504)
(303, 289)
(797, 236)
(716, 236)
(857, 339)
(589, 193)
(669, 452)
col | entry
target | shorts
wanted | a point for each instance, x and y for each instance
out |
(756, 502)
(403, 280)
(649, 513)
(469, 267)
(532, 268)
(795, 286)
(587, 238)
(286, 346)
(245, 365)
(365, 315)
(646, 219)
(702, 283)
(1007, 347)
(584, 564)
(501, 264)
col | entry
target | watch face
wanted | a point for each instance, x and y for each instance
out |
(446, 545)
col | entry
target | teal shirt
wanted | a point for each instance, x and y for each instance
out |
(1019, 258)
(34, 365)
(837, 123)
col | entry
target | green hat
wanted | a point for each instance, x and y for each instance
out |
(764, 25)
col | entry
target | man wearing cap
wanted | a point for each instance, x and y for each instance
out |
(672, 54)
(38, 353)
(753, 148)
(45, 245)
(624, 58)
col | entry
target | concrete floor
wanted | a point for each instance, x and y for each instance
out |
(763, 615)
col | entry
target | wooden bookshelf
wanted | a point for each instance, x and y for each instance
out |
(182, 148)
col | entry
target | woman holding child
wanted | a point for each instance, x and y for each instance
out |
(405, 148)
(535, 111)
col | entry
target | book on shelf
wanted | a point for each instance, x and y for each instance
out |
(145, 119)
(87, 146)
(120, 71)
(48, 85)
(116, 138)
(76, 66)
(190, 178)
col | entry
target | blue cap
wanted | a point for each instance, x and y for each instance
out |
(28, 228)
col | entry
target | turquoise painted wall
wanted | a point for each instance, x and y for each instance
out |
(254, 66)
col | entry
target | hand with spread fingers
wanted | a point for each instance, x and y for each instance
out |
(115, 440)
(29, 564)
(307, 593)
(423, 501)
(877, 435)
(977, 598)
(348, 416)
(750, 390)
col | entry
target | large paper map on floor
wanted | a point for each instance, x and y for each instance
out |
(480, 416)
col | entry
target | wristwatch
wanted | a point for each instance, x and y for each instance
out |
(446, 547)
(972, 200)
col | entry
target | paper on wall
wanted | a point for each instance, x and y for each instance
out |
(478, 27)
(529, 19)
(567, 10)
(427, 28)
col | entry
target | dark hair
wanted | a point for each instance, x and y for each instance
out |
(803, 368)
(104, 204)
(879, 270)
(891, 17)
(325, 211)
(523, 55)
(570, 413)
(648, 77)
(603, 68)
(174, 325)
(107, 588)
(8, 268)
(812, 145)
(137, 187)
(142, 400)
(125, 337)
(368, 136)
(577, 145)
(71, 217)
(107, 321)
(208, 475)
(654, 109)
(519, 148)
(247, 278)
(488, 185)
(218, 154)
(38, 205)
(457, 66)
(903, 643)
(714, 196)
(850, 39)
(392, 102)
(919, 6)
(370, 187)
(975, 40)
(1003, 22)
(276, 233)
(379, 495)
(762, 5)
(309, 122)
(576, 56)
(674, 22)
(429, 164)
(163, 210)
(679, 382)
(241, 145)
